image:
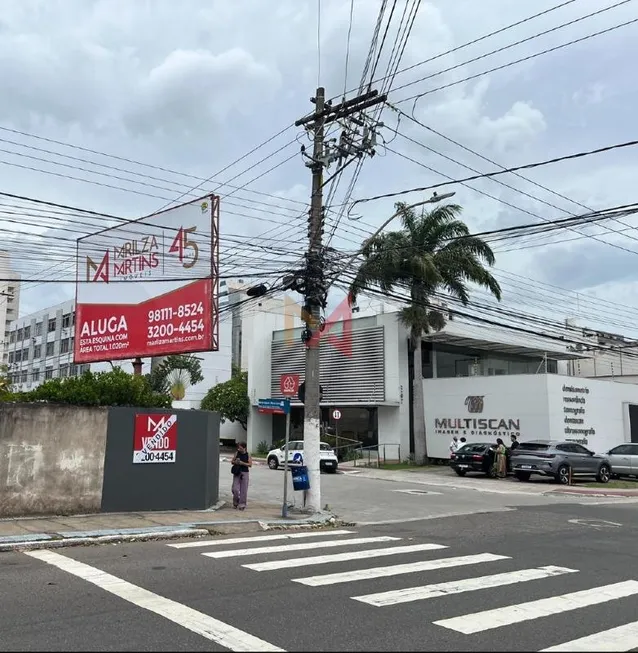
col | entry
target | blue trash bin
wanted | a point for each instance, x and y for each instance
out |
(300, 480)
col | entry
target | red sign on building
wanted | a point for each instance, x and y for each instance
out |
(289, 385)
(155, 438)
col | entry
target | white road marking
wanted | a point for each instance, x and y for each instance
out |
(508, 615)
(284, 548)
(258, 538)
(417, 492)
(594, 523)
(623, 638)
(408, 594)
(342, 557)
(197, 622)
(396, 570)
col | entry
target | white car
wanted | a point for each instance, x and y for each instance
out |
(328, 459)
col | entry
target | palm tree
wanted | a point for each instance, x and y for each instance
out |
(433, 252)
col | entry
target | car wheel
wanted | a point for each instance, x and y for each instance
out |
(460, 472)
(491, 472)
(273, 463)
(522, 476)
(603, 474)
(562, 475)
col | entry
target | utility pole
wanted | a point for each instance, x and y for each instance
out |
(352, 143)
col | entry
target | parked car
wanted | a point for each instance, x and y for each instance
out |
(558, 460)
(624, 459)
(327, 462)
(474, 457)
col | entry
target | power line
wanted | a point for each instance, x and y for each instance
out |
(487, 175)
(511, 63)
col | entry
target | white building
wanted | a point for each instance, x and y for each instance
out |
(519, 381)
(9, 297)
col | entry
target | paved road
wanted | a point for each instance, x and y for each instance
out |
(371, 497)
(524, 580)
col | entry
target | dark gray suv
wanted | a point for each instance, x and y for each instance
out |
(560, 460)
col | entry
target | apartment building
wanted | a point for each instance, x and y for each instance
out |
(9, 297)
(39, 347)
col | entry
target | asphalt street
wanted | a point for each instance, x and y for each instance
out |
(369, 497)
(530, 579)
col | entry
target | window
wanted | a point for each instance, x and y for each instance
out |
(624, 450)
(51, 324)
(64, 346)
(10, 357)
(49, 350)
(64, 371)
(37, 351)
(36, 375)
(84, 368)
(578, 448)
(12, 337)
(66, 321)
(73, 370)
(20, 336)
(48, 374)
(73, 318)
(38, 329)
(533, 446)
(27, 332)
(18, 356)
(23, 378)
(25, 354)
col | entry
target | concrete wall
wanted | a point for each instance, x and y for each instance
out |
(45, 465)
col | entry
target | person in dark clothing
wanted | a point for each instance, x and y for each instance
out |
(515, 442)
(241, 464)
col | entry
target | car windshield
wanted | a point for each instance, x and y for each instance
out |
(472, 448)
(325, 447)
(533, 446)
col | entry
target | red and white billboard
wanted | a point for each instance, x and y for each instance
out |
(155, 438)
(150, 287)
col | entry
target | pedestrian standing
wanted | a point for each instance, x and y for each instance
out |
(501, 459)
(454, 445)
(241, 464)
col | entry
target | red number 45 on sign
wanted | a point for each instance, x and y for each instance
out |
(182, 243)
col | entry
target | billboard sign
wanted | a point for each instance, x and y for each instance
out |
(155, 438)
(149, 287)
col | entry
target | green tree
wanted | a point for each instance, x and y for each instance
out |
(230, 399)
(114, 388)
(175, 374)
(5, 383)
(432, 252)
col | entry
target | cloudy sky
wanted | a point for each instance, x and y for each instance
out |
(176, 93)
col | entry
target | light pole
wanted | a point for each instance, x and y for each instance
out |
(433, 200)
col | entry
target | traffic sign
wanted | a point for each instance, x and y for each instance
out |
(274, 406)
(336, 414)
(289, 385)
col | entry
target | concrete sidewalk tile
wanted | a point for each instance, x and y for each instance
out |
(11, 529)
(42, 525)
(36, 537)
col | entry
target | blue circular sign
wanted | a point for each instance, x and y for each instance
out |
(297, 458)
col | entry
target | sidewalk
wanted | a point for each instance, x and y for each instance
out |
(45, 532)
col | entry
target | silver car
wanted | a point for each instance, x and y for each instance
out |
(624, 459)
(560, 460)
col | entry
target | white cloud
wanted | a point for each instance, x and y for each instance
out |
(193, 88)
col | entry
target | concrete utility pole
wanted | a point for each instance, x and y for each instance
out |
(351, 144)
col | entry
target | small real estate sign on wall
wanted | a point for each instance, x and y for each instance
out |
(155, 438)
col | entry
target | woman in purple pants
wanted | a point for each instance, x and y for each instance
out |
(241, 464)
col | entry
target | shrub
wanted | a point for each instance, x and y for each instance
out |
(114, 388)
(230, 399)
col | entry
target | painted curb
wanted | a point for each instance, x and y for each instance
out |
(618, 494)
(113, 536)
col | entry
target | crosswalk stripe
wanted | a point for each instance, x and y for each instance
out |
(408, 594)
(396, 570)
(508, 615)
(342, 557)
(258, 538)
(623, 638)
(284, 548)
